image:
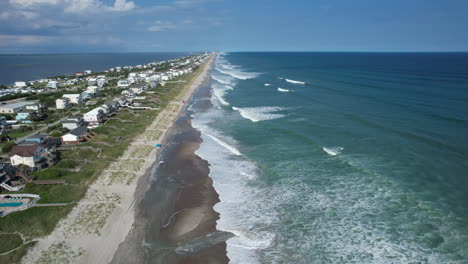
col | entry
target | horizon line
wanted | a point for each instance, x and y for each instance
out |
(246, 51)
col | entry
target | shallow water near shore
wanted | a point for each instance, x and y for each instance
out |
(362, 160)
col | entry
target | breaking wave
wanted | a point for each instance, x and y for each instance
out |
(292, 81)
(283, 90)
(333, 151)
(256, 114)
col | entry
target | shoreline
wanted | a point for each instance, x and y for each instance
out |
(175, 220)
(115, 201)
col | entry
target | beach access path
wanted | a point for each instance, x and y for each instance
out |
(93, 230)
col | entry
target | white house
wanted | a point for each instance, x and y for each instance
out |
(75, 136)
(123, 83)
(53, 84)
(73, 122)
(88, 71)
(94, 117)
(100, 82)
(29, 155)
(74, 98)
(92, 81)
(93, 90)
(20, 84)
(62, 103)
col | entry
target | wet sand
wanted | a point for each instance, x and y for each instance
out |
(174, 217)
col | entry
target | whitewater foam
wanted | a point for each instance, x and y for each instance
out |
(239, 74)
(232, 149)
(267, 84)
(333, 151)
(291, 81)
(256, 114)
(283, 90)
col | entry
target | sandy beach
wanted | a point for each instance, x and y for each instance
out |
(175, 221)
(93, 230)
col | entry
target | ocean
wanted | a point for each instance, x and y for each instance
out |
(32, 67)
(340, 157)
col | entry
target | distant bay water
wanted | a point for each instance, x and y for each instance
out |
(340, 157)
(31, 67)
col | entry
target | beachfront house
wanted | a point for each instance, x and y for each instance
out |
(111, 107)
(63, 103)
(74, 98)
(94, 117)
(75, 136)
(27, 153)
(138, 87)
(73, 122)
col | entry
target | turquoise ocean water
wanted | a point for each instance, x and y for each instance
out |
(340, 157)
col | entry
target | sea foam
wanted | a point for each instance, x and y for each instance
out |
(333, 151)
(232, 149)
(283, 90)
(292, 81)
(256, 114)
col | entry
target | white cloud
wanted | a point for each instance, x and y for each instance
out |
(122, 5)
(162, 26)
(29, 3)
(75, 6)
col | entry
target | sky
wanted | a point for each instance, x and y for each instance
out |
(82, 26)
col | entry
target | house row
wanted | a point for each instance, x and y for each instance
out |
(68, 100)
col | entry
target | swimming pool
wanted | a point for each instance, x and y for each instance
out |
(11, 204)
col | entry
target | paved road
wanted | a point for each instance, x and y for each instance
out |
(18, 140)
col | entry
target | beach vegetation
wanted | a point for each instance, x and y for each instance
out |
(93, 157)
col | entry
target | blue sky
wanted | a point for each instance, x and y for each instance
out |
(73, 26)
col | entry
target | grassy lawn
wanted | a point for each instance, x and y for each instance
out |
(40, 221)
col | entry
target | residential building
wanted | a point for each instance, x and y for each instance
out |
(138, 87)
(92, 81)
(100, 82)
(20, 84)
(63, 103)
(111, 107)
(88, 71)
(14, 108)
(73, 122)
(53, 84)
(94, 117)
(123, 83)
(75, 136)
(28, 153)
(37, 107)
(94, 90)
(24, 116)
(74, 98)
(85, 96)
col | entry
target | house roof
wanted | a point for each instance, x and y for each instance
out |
(79, 131)
(23, 150)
